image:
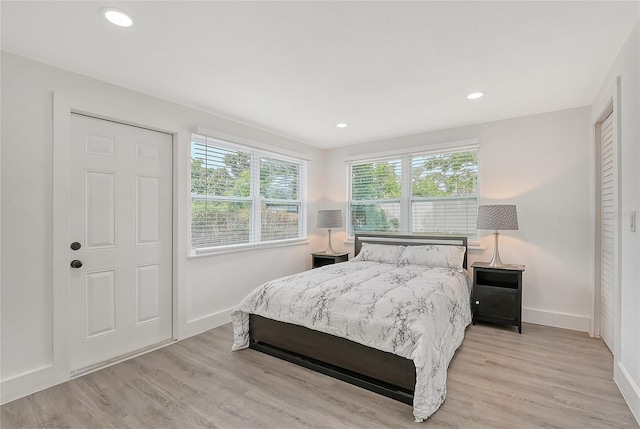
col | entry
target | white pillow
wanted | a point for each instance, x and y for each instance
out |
(436, 255)
(387, 254)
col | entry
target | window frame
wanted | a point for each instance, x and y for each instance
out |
(406, 198)
(255, 199)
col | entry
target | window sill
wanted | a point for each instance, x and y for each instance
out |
(247, 248)
(475, 245)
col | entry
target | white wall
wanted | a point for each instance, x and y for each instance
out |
(544, 165)
(626, 98)
(207, 287)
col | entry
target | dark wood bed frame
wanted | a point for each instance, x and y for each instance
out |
(381, 372)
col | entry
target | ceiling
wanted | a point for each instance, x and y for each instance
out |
(298, 68)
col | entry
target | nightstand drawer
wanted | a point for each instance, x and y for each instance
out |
(497, 304)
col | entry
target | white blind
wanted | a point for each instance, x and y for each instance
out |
(444, 193)
(280, 197)
(432, 193)
(374, 203)
(241, 195)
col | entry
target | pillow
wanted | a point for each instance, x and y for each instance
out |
(387, 254)
(436, 255)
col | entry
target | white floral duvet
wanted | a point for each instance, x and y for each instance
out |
(413, 311)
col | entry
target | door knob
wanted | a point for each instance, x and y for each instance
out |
(75, 245)
(76, 264)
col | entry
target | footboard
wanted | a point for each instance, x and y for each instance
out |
(372, 369)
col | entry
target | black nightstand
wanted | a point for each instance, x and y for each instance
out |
(321, 259)
(497, 294)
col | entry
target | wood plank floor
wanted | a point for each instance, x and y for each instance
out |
(544, 378)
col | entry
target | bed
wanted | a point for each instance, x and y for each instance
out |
(389, 320)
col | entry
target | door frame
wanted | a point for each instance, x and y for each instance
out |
(63, 106)
(613, 107)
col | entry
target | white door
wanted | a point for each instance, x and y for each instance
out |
(121, 216)
(608, 234)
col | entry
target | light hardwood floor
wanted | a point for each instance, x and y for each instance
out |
(544, 378)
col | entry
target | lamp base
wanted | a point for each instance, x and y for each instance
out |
(329, 250)
(495, 260)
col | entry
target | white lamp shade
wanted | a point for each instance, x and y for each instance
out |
(329, 218)
(498, 217)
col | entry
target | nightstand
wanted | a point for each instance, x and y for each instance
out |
(497, 294)
(321, 259)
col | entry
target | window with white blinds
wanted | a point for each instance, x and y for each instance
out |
(432, 193)
(240, 195)
(280, 200)
(444, 193)
(374, 203)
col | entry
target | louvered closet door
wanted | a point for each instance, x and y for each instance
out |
(608, 202)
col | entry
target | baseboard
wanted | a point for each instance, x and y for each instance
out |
(555, 319)
(202, 324)
(629, 389)
(26, 383)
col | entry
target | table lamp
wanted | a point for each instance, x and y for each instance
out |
(329, 219)
(497, 217)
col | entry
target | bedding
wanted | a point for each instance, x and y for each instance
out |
(417, 312)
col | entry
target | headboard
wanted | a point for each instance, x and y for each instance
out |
(409, 240)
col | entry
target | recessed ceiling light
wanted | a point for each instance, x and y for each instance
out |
(342, 125)
(117, 17)
(475, 95)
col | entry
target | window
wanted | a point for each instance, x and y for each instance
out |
(375, 196)
(444, 193)
(433, 193)
(242, 196)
